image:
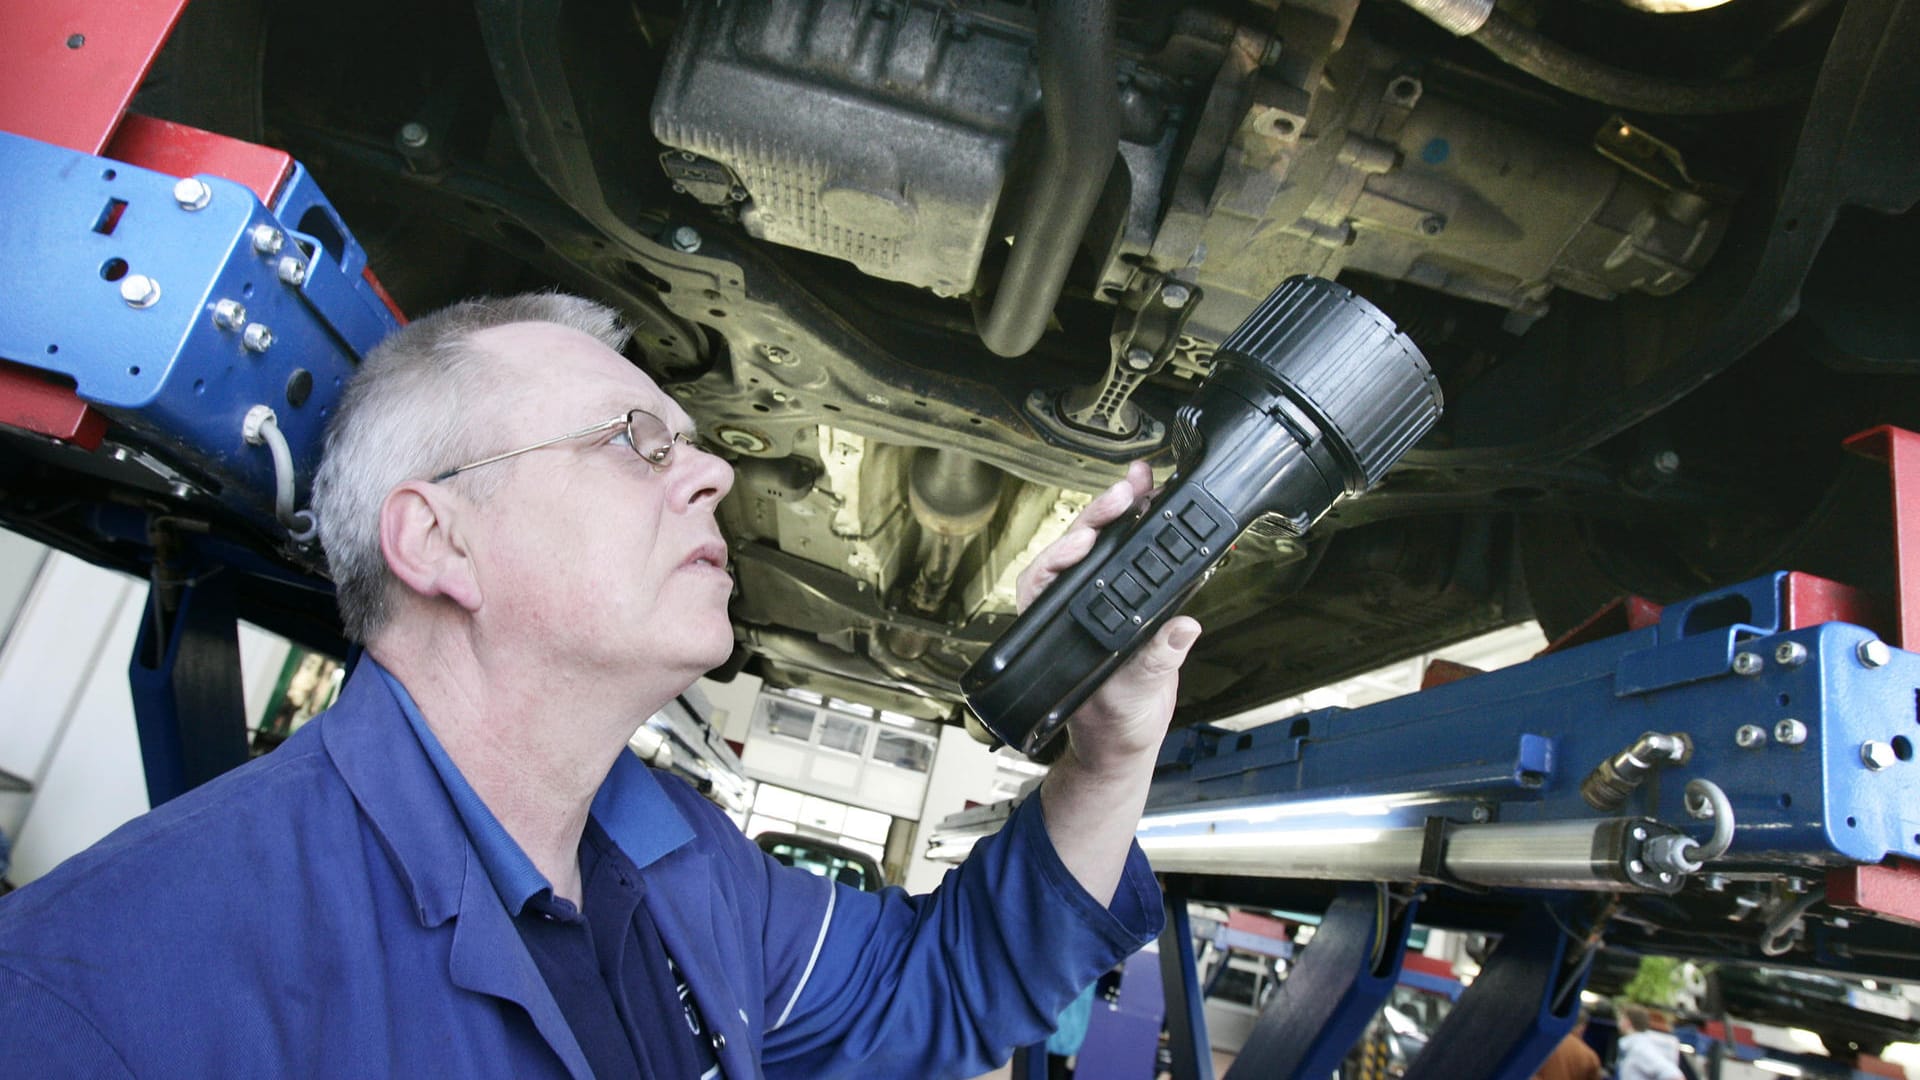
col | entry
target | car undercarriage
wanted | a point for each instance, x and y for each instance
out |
(930, 274)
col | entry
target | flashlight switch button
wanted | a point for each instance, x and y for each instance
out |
(1197, 519)
(1152, 567)
(1106, 614)
(1174, 544)
(1128, 587)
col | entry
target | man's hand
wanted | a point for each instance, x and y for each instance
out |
(1094, 794)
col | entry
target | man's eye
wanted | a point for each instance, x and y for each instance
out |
(620, 439)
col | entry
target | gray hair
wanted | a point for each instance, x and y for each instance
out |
(407, 415)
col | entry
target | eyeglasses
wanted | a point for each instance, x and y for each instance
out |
(646, 433)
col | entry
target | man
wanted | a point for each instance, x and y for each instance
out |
(1643, 1053)
(460, 871)
(1572, 1059)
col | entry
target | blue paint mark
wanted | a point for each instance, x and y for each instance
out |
(1435, 152)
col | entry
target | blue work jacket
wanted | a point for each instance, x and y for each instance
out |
(321, 912)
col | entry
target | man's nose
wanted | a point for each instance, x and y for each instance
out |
(707, 476)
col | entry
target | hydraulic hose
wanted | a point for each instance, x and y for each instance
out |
(1080, 108)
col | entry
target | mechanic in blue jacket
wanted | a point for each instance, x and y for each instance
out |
(459, 870)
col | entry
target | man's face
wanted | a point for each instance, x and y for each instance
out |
(584, 550)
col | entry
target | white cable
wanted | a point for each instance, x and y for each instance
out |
(262, 426)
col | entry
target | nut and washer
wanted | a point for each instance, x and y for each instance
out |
(1876, 755)
(1750, 736)
(1175, 295)
(192, 193)
(1747, 663)
(686, 238)
(257, 337)
(1874, 653)
(1790, 732)
(1139, 359)
(292, 271)
(229, 314)
(267, 240)
(139, 291)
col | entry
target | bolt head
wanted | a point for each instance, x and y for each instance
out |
(1747, 663)
(1635, 866)
(1666, 463)
(1175, 295)
(292, 271)
(686, 238)
(1639, 833)
(1716, 883)
(1481, 813)
(267, 240)
(139, 291)
(1790, 654)
(1750, 736)
(192, 193)
(1139, 359)
(229, 314)
(257, 338)
(1790, 732)
(1876, 755)
(181, 489)
(1874, 653)
(1666, 877)
(413, 135)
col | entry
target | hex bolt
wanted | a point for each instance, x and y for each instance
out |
(292, 271)
(1635, 866)
(192, 193)
(1666, 463)
(1639, 833)
(257, 338)
(1874, 653)
(267, 240)
(229, 314)
(1666, 877)
(1175, 295)
(1790, 732)
(1747, 663)
(1139, 359)
(686, 238)
(1750, 737)
(413, 135)
(139, 291)
(1876, 755)
(1790, 654)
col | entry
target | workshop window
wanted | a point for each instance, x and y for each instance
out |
(843, 733)
(790, 721)
(903, 751)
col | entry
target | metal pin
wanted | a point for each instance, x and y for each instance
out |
(192, 193)
(139, 290)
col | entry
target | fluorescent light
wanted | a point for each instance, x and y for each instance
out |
(1779, 1068)
(1271, 838)
(1359, 806)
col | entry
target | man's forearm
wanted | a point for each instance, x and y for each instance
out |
(1091, 813)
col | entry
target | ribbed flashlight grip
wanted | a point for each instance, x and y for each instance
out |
(1349, 367)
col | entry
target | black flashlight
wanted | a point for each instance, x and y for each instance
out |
(1315, 396)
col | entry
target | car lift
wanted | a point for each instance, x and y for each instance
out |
(182, 310)
(1541, 801)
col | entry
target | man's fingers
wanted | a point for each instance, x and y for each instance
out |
(1168, 649)
(1072, 546)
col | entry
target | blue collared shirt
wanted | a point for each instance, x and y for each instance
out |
(604, 961)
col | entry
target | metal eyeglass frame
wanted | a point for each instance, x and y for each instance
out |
(658, 458)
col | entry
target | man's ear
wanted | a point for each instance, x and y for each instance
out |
(423, 546)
